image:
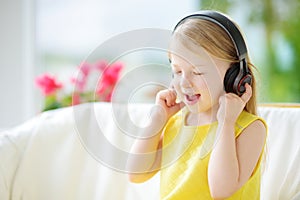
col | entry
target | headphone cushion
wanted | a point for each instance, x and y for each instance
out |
(230, 77)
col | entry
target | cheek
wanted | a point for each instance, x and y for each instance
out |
(174, 81)
(201, 83)
(214, 86)
(178, 88)
(175, 84)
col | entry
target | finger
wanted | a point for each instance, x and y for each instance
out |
(162, 95)
(171, 98)
(177, 107)
(221, 99)
(172, 89)
(173, 95)
(168, 100)
(248, 93)
(181, 105)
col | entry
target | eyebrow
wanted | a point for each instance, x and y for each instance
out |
(198, 66)
(194, 66)
(174, 65)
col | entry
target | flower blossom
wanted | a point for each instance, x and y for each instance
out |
(101, 65)
(48, 84)
(81, 79)
(87, 74)
(109, 78)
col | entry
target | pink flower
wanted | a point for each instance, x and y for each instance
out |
(81, 79)
(85, 68)
(48, 84)
(81, 94)
(109, 78)
(111, 75)
(101, 65)
(109, 96)
(79, 83)
(75, 99)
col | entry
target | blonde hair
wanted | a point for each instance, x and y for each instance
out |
(217, 43)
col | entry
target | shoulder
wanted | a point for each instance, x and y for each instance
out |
(172, 127)
(175, 121)
(250, 121)
(257, 128)
(252, 129)
(250, 147)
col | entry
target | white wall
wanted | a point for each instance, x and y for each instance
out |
(16, 62)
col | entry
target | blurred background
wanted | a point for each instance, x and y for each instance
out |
(56, 37)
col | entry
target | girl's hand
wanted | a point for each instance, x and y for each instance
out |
(231, 105)
(166, 99)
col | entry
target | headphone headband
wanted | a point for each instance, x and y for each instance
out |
(226, 24)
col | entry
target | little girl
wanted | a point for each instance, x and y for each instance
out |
(205, 137)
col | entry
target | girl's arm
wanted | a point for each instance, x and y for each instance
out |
(145, 155)
(144, 160)
(233, 160)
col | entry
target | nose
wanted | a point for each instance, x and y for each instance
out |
(185, 83)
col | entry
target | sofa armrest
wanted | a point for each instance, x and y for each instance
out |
(281, 175)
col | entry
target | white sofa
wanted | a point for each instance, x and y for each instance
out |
(62, 154)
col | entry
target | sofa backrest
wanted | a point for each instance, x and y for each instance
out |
(80, 153)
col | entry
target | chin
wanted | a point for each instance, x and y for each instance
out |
(197, 108)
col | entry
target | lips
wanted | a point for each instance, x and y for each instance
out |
(192, 99)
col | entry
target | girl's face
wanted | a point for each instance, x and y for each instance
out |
(198, 77)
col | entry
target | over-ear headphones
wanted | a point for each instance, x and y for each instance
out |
(238, 73)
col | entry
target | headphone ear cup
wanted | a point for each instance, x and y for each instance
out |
(230, 76)
(241, 86)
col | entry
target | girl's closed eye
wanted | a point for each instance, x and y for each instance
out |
(178, 72)
(198, 73)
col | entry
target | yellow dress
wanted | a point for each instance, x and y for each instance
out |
(186, 153)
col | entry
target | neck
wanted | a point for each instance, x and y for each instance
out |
(206, 117)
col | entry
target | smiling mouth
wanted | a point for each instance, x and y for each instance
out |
(192, 99)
